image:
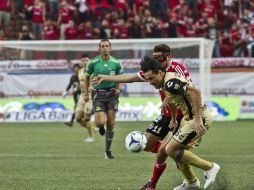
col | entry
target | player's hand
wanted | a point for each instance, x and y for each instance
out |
(117, 91)
(173, 125)
(97, 80)
(64, 94)
(86, 97)
(199, 127)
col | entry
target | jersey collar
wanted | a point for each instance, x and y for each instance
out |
(103, 60)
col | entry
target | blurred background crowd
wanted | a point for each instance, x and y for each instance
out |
(230, 23)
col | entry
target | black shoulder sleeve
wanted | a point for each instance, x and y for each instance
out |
(175, 86)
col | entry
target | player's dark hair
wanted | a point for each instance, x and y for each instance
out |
(104, 40)
(76, 65)
(84, 55)
(162, 48)
(151, 64)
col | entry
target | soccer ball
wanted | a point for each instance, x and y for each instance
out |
(135, 141)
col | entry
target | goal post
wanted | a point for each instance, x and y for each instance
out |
(18, 56)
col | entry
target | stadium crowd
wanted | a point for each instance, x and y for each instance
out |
(230, 22)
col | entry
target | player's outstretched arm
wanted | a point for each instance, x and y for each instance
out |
(116, 78)
(195, 97)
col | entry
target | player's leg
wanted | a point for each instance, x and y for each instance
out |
(155, 132)
(99, 116)
(70, 123)
(75, 99)
(84, 119)
(99, 110)
(111, 107)
(87, 121)
(190, 180)
(187, 137)
(109, 135)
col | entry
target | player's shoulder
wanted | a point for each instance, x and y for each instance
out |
(174, 76)
(114, 60)
(95, 60)
(170, 75)
(177, 67)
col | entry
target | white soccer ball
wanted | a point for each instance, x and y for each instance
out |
(135, 141)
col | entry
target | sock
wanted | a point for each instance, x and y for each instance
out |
(187, 171)
(158, 169)
(156, 147)
(108, 139)
(192, 159)
(89, 127)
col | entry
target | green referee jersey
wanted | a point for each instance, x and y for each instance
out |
(100, 67)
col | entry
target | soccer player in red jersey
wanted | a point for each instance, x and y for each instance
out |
(158, 129)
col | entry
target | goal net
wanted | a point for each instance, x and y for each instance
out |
(42, 68)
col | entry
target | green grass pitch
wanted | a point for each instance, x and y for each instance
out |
(51, 156)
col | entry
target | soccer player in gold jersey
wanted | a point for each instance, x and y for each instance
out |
(184, 97)
(84, 110)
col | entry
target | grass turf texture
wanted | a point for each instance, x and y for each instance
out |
(46, 156)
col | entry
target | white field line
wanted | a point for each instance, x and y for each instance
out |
(117, 155)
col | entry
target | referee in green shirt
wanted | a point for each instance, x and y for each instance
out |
(105, 95)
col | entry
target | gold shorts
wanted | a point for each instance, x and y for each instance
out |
(82, 106)
(186, 134)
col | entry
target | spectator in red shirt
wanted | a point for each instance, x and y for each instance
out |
(6, 7)
(38, 18)
(51, 32)
(121, 5)
(190, 28)
(201, 25)
(86, 31)
(28, 3)
(121, 31)
(210, 9)
(139, 5)
(71, 32)
(66, 13)
(172, 4)
(181, 24)
(226, 46)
